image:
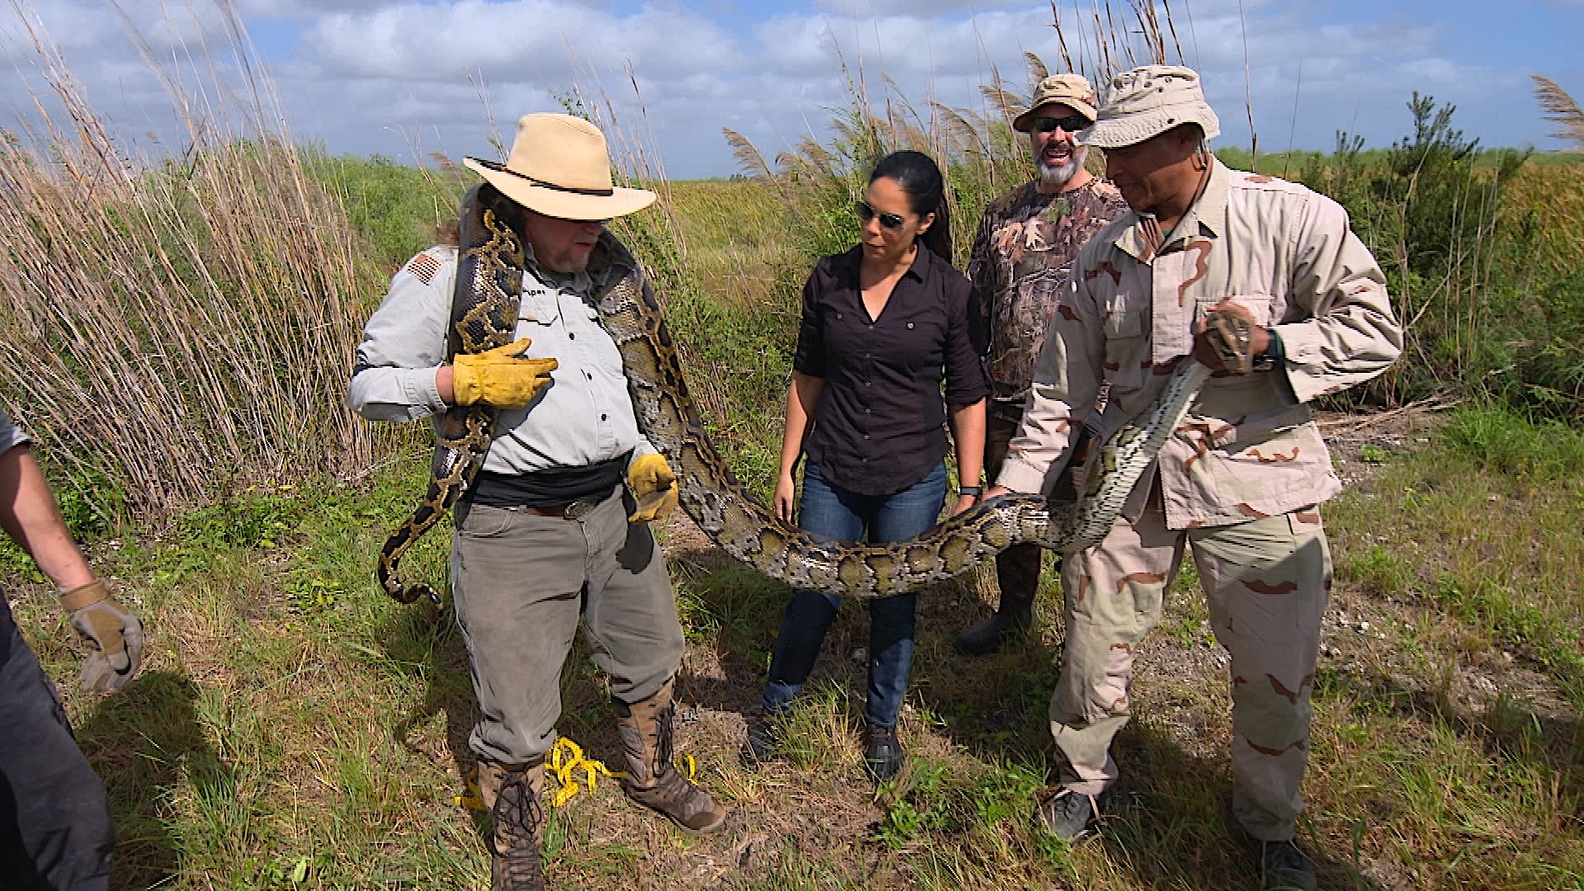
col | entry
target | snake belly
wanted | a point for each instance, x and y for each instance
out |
(483, 316)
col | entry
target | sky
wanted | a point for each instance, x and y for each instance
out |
(409, 79)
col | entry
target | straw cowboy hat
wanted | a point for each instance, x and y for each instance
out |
(559, 167)
(1146, 102)
(1071, 90)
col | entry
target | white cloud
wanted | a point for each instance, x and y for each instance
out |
(519, 40)
(377, 75)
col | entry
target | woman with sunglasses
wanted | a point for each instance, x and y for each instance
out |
(883, 324)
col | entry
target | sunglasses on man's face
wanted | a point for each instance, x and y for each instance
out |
(1069, 124)
(866, 212)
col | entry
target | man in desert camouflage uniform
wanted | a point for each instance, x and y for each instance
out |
(1240, 478)
(1027, 240)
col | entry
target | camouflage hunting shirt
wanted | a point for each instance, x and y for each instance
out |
(1246, 450)
(1026, 242)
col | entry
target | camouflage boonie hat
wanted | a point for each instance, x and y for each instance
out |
(1146, 102)
(1071, 90)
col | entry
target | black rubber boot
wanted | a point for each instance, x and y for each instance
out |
(1284, 866)
(882, 752)
(1011, 620)
(762, 742)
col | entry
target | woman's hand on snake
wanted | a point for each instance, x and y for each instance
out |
(964, 502)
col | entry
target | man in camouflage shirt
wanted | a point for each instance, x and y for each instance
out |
(1027, 240)
(1240, 478)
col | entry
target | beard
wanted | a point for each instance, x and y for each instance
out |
(1058, 175)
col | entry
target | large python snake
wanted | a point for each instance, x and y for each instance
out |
(489, 282)
(483, 317)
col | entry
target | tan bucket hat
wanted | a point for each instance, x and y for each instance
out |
(1071, 90)
(1146, 102)
(560, 167)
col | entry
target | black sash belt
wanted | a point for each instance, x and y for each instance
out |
(549, 488)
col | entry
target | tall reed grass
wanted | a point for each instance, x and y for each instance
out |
(1477, 245)
(176, 326)
(976, 147)
(1481, 260)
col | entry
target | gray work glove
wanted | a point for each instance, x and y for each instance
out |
(114, 633)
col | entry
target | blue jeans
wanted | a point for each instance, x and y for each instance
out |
(831, 512)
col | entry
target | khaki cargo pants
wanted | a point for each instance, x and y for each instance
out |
(1266, 582)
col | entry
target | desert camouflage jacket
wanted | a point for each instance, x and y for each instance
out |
(1026, 242)
(1247, 449)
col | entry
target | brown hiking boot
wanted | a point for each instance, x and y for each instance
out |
(645, 730)
(511, 792)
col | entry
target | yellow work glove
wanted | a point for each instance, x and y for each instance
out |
(114, 633)
(653, 486)
(501, 377)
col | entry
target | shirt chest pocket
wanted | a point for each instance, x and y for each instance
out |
(1126, 346)
(536, 312)
(1123, 323)
(920, 340)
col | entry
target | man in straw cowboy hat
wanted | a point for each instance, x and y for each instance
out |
(1240, 478)
(1027, 239)
(545, 537)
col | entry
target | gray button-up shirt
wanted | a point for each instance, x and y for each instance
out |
(584, 417)
(10, 434)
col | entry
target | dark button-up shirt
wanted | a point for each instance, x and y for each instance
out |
(879, 426)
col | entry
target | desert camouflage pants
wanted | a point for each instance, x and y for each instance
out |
(1266, 582)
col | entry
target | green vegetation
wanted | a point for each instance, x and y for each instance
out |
(1481, 257)
(295, 729)
(292, 721)
(395, 209)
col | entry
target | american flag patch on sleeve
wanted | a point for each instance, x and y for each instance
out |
(423, 267)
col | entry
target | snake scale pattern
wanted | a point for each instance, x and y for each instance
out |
(484, 314)
(483, 317)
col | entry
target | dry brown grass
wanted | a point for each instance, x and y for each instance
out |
(1561, 110)
(175, 326)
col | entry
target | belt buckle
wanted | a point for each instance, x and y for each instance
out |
(578, 508)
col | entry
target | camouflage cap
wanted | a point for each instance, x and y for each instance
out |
(1146, 102)
(1071, 90)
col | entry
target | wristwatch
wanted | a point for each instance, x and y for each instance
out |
(1275, 353)
(970, 490)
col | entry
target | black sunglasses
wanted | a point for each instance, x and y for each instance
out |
(866, 212)
(1069, 124)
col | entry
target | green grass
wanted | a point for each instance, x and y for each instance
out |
(294, 729)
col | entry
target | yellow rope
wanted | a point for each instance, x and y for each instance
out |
(565, 762)
(470, 798)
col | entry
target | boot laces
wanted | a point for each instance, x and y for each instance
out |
(518, 817)
(665, 741)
